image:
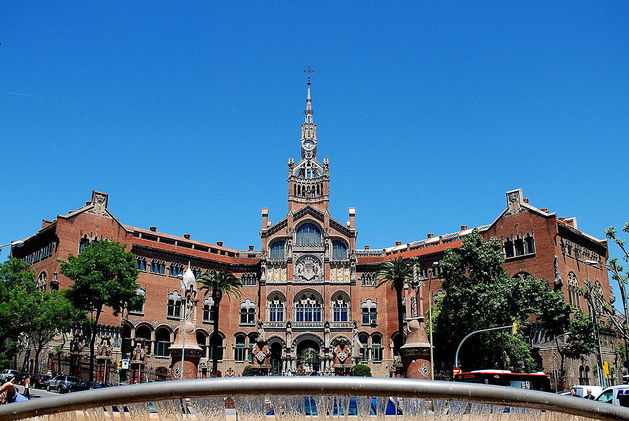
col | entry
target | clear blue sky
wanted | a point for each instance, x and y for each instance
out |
(186, 112)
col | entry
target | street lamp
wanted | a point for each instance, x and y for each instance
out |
(432, 359)
(561, 370)
(18, 243)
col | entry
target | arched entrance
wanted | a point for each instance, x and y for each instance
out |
(308, 357)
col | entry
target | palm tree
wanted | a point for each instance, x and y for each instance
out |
(218, 284)
(396, 273)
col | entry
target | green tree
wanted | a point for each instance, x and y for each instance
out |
(15, 275)
(480, 294)
(104, 276)
(621, 276)
(40, 315)
(396, 273)
(361, 370)
(218, 284)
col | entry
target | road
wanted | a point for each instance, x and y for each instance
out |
(37, 393)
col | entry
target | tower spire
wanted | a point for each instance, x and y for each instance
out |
(308, 119)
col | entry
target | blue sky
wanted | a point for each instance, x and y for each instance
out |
(186, 113)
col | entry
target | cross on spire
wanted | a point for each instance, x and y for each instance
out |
(309, 71)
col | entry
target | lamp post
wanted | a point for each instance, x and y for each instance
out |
(561, 370)
(456, 356)
(599, 355)
(18, 243)
(432, 359)
(623, 295)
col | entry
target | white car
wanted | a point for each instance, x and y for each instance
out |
(583, 388)
(616, 395)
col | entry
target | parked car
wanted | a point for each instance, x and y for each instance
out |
(38, 380)
(78, 386)
(62, 384)
(8, 374)
(616, 395)
(583, 388)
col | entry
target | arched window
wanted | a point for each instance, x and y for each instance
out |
(369, 312)
(202, 342)
(216, 343)
(158, 267)
(143, 337)
(248, 279)
(276, 309)
(308, 235)
(162, 342)
(277, 250)
(239, 348)
(508, 245)
(42, 280)
(308, 309)
(247, 312)
(369, 279)
(376, 348)
(251, 341)
(340, 308)
(363, 338)
(208, 311)
(519, 247)
(573, 290)
(175, 302)
(529, 244)
(175, 269)
(140, 263)
(83, 243)
(138, 307)
(339, 250)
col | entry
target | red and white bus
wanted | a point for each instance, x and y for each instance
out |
(533, 381)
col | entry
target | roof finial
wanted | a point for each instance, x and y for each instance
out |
(309, 71)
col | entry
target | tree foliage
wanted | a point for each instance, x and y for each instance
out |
(361, 370)
(14, 274)
(480, 294)
(218, 284)
(104, 275)
(28, 315)
(619, 274)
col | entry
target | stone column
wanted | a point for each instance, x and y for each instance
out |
(415, 352)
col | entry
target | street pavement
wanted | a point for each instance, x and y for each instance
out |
(37, 393)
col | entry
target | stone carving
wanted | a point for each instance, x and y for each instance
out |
(104, 348)
(414, 306)
(308, 268)
(558, 280)
(99, 202)
(514, 202)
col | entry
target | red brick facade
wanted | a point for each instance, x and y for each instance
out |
(308, 290)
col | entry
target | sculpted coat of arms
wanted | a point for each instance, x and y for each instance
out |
(308, 268)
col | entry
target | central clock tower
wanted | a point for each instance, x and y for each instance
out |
(308, 180)
(308, 265)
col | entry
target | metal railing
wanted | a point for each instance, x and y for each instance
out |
(313, 386)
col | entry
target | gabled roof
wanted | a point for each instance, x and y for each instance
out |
(97, 206)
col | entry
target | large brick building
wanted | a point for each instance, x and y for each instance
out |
(309, 289)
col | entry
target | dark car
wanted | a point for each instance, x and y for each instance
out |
(78, 386)
(38, 380)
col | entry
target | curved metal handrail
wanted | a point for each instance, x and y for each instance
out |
(322, 386)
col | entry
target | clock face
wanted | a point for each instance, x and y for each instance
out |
(309, 145)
